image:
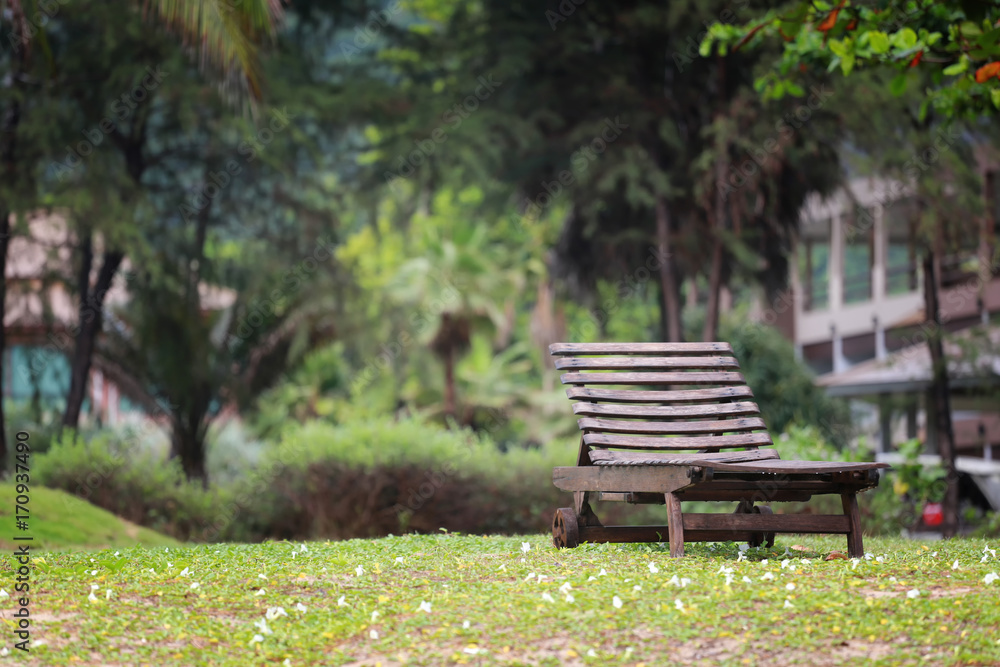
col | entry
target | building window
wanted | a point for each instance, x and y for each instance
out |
(814, 264)
(901, 254)
(859, 240)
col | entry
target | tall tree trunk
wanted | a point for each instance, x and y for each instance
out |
(711, 330)
(940, 402)
(449, 383)
(670, 314)
(89, 325)
(717, 219)
(8, 170)
(189, 446)
(4, 242)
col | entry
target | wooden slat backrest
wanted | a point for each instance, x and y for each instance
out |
(667, 412)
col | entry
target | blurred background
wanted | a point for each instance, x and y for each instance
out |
(290, 269)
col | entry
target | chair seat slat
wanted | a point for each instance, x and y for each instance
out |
(671, 428)
(646, 363)
(572, 349)
(739, 409)
(651, 396)
(709, 442)
(680, 378)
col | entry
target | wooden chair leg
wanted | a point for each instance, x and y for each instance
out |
(855, 546)
(584, 512)
(675, 526)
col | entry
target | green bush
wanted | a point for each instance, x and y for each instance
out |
(119, 475)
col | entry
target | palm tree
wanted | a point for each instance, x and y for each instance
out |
(464, 283)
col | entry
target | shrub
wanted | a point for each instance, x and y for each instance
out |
(118, 475)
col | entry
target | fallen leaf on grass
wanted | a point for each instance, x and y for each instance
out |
(799, 547)
(836, 555)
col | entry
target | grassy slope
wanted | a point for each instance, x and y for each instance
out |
(59, 520)
(487, 605)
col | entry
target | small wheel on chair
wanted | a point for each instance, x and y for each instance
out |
(565, 529)
(768, 537)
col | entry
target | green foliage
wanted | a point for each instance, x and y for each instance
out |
(782, 385)
(922, 483)
(117, 475)
(517, 600)
(958, 42)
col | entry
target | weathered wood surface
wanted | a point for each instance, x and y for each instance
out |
(654, 479)
(772, 523)
(709, 442)
(653, 396)
(676, 525)
(566, 349)
(669, 458)
(791, 466)
(680, 377)
(855, 545)
(738, 409)
(696, 493)
(645, 363)
(656, 534)
(671, 427)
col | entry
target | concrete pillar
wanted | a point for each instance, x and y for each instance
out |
(885, 424)
(880, 350)
(836, 263)
(839, 361)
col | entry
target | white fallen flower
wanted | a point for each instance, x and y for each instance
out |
(4, 652)
(465, 625)
(565, 587)
(541, 577)
(913, 593)
(375, 614)
(274, 612)
(787, 605)
(570, 598)
(93, 573)
(789, 587)
(525, 547)
(262, 576)
(261, 624)
(399, 559)
(4, 594)
(473, 650)
(637, 587)
(341, 601)
(763, 562)
(678, 604)
(107, 594)
(548, 597)
(425, 607)
(261, 592)
(617, 602)
(879, 559)
(990, 578)
(746, 580)
(373, 634)
(653, 569)
(954, 565)
(602, 573)
(855, 561)
(359, 570)
(531, 575)
(303, 549)
(117, 552)
(185, 572)
(591, 578)
(257, 639)
(195, 585)
(767, 576)
(300, 607)
(591, 653)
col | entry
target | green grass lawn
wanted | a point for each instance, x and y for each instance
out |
(58, 520)
(449, 599)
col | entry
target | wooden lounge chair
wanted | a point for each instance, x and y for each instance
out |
(691, 431)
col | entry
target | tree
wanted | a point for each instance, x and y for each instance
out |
(958, 42)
